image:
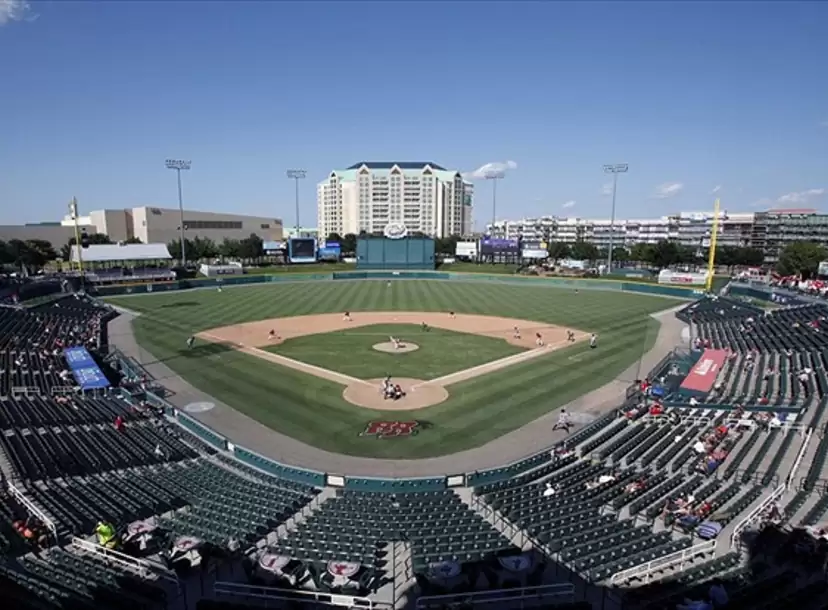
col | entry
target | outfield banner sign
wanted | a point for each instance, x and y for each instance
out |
(466, 248)
(527, 253)
(273, 246)
(491, 245)
(702, 376)
(683, 279)
(87, 373)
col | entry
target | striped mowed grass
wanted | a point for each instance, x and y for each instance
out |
(312, 409)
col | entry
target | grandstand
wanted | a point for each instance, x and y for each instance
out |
(642, 508)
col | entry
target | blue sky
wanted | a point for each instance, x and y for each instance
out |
(692, 95)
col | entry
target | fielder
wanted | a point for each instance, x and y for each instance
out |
(346, 317)
(516, 334)
(190, 342)
(593, 341)
(570, 336)
(271, 335)
(538, 339)
(218, 289)
(394, 342)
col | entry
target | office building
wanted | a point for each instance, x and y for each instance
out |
(150, 225)
(368, 196)
(769, 231)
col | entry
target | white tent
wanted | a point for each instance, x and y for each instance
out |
(122, 252)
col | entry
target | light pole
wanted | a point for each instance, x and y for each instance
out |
(494, 178)
(615, 169)
(178, 165)
(296, 175)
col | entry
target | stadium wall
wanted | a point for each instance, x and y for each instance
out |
(406, 253)
(317, 478)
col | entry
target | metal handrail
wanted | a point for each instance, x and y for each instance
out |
(30, 506)
(566, 590)
(755, 513)
(667, 561)
(233, 589)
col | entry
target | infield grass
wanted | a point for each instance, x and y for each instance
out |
(351, 352)
(313, 410)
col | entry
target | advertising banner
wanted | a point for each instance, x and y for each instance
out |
(466, 248)
(685, 279)
(86, 372)
(499, 246)
(302, 250)
(534, 253)
(329, 254)
(271, 247)
(703, 374)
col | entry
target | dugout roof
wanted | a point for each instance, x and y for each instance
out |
(122, 252)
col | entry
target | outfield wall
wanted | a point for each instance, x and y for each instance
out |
(560, 282)
(316, 478)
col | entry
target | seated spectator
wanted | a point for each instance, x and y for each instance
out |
(551, 490)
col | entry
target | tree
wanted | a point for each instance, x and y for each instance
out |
(133, 240)
(663, 254)
(641, 253)
(584, 251)
(335, 237)
(95, 239)
(348, 243)
(251, 247)
(620, 254)
(558, 250)
(230, 248)
(800, 257)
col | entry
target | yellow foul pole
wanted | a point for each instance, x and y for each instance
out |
(711, 256)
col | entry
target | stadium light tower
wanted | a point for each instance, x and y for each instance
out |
(296, 175)
(178, 165)
(614, 169)
(494, 177)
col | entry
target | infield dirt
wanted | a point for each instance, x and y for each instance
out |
(251, 336)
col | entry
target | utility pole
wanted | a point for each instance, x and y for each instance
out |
(178, 165)
(296, 175)
(614, 169)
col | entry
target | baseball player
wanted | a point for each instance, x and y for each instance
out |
(190, 342)
(593, 341)
(271, 335)
(346, 317)
(516, 333)
(451, 315)
(570, 336)
(218, 289)
(539, 339)
(425, 327)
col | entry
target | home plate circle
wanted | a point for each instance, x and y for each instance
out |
(402, 347)
(199, 407)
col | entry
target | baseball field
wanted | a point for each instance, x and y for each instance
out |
(285, 355)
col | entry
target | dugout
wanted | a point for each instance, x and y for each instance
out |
(376, 253)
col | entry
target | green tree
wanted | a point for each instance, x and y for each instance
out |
(133, 240)
(663, 254)
(251, 247)
(801, 257)
(95, 239)
(620, 254)
(334, 237)
(348, 243)
(230, 248)
(6, 257)
(584, 251)
(641, 253)
(558, 250)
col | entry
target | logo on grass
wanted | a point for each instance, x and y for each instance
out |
(395, 230)
(391, 429)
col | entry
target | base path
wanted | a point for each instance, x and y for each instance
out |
(527, 440)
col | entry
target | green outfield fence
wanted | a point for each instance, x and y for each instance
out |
(319, 479)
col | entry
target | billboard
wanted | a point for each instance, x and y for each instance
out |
(490, 245)
(703, 375)
(331, 251)
(302, 250)
(85, 370)
(534, 253)
(687, 279)
(273, 247)
(466, 248)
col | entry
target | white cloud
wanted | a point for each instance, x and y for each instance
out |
(667, 190)
(495, 169)
(801, 196)
(606, 190)
(568, 204)
(15, 10)
(716, 189)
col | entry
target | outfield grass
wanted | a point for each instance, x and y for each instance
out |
(479, 410)
(350, 351)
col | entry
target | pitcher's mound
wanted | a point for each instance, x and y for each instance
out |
(403, 348)
(418, 395)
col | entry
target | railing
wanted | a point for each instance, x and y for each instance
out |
(562, 592)
(141, 567)
(513, 531)
(799, 458)
(18, 495)
(645, 570)
(755, 514)
(241, 591)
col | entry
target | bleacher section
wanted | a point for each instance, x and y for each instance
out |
(639, 509)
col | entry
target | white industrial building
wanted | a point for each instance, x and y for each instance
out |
(769, 231)
(368, 196)
(150, 225)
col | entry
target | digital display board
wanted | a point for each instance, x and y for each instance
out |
(302, 250)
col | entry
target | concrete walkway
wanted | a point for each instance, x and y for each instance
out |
(520, 443)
